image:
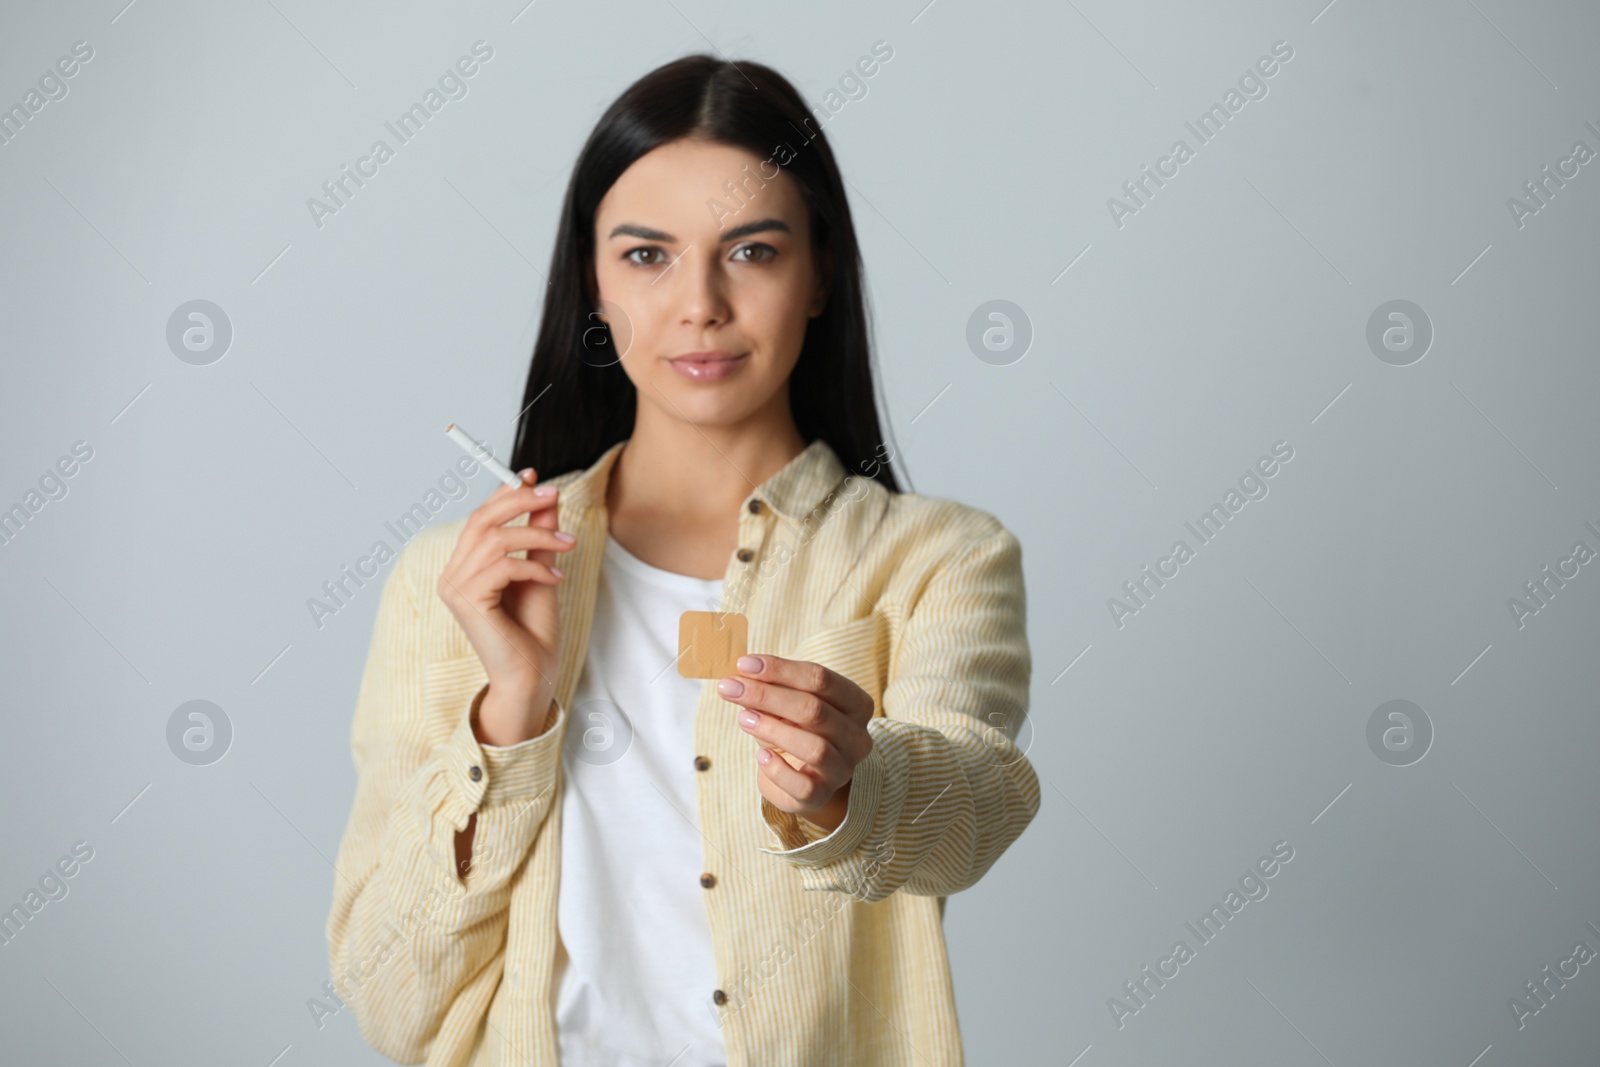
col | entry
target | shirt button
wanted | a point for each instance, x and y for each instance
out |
(718, 997)
(476, 772)
(701, 763)
(745, 555)
(708, 880)
(755, 507)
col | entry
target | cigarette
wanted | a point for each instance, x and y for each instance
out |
(481, 453)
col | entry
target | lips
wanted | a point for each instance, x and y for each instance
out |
(708, 366)
(717, 356)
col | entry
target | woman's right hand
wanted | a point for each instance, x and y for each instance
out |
(507, 606)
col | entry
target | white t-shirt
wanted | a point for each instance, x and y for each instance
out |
(633, 984)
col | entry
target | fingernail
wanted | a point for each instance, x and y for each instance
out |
(730, 687)
(748, 717)
(562, 535)
(557, 572)
(544, 490)
(525, 473)
(763, 756)
(749, 664)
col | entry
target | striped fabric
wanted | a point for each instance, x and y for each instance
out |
(829, 946)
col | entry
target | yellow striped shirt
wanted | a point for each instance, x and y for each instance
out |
(829, 947)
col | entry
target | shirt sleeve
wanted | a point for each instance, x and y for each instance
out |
(945, 789)
(415, 948)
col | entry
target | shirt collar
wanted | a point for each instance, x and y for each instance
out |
(793, 492)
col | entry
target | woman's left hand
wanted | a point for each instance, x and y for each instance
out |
(816, 719)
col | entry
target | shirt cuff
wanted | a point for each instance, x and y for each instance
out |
(493, 775)
(798, 838)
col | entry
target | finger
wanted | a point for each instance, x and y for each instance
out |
(510, 569)
(497, 576)
(496, 543)
(499, 541)
(528, 476)
(506, 503)
(506, 506)
(803, 789)
(808, 677)
(516, 538)
(777, 796)
(810, 749)
(804, 709)
(546, 519)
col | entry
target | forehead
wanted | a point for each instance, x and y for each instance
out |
(677, 186)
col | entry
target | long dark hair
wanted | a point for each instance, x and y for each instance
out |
(578, 401)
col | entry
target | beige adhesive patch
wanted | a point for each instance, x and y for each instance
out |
(710, 642)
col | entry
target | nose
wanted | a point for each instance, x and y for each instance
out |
(699, 288)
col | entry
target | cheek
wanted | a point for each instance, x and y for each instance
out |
(776, 328)
(643, 311)
(626, 286)
(777, 305)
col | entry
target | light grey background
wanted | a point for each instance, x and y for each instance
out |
(1228, 314)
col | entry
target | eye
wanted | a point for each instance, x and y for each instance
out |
(767, 252)
(628, 255)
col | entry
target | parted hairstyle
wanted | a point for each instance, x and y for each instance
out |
(578, 401)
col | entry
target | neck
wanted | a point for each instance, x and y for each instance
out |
(673, 467)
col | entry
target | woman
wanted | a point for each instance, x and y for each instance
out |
(561, 850)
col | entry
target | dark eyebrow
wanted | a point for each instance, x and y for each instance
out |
(760, 226)
(630, 229)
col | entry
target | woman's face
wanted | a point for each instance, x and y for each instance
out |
(714, 295)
